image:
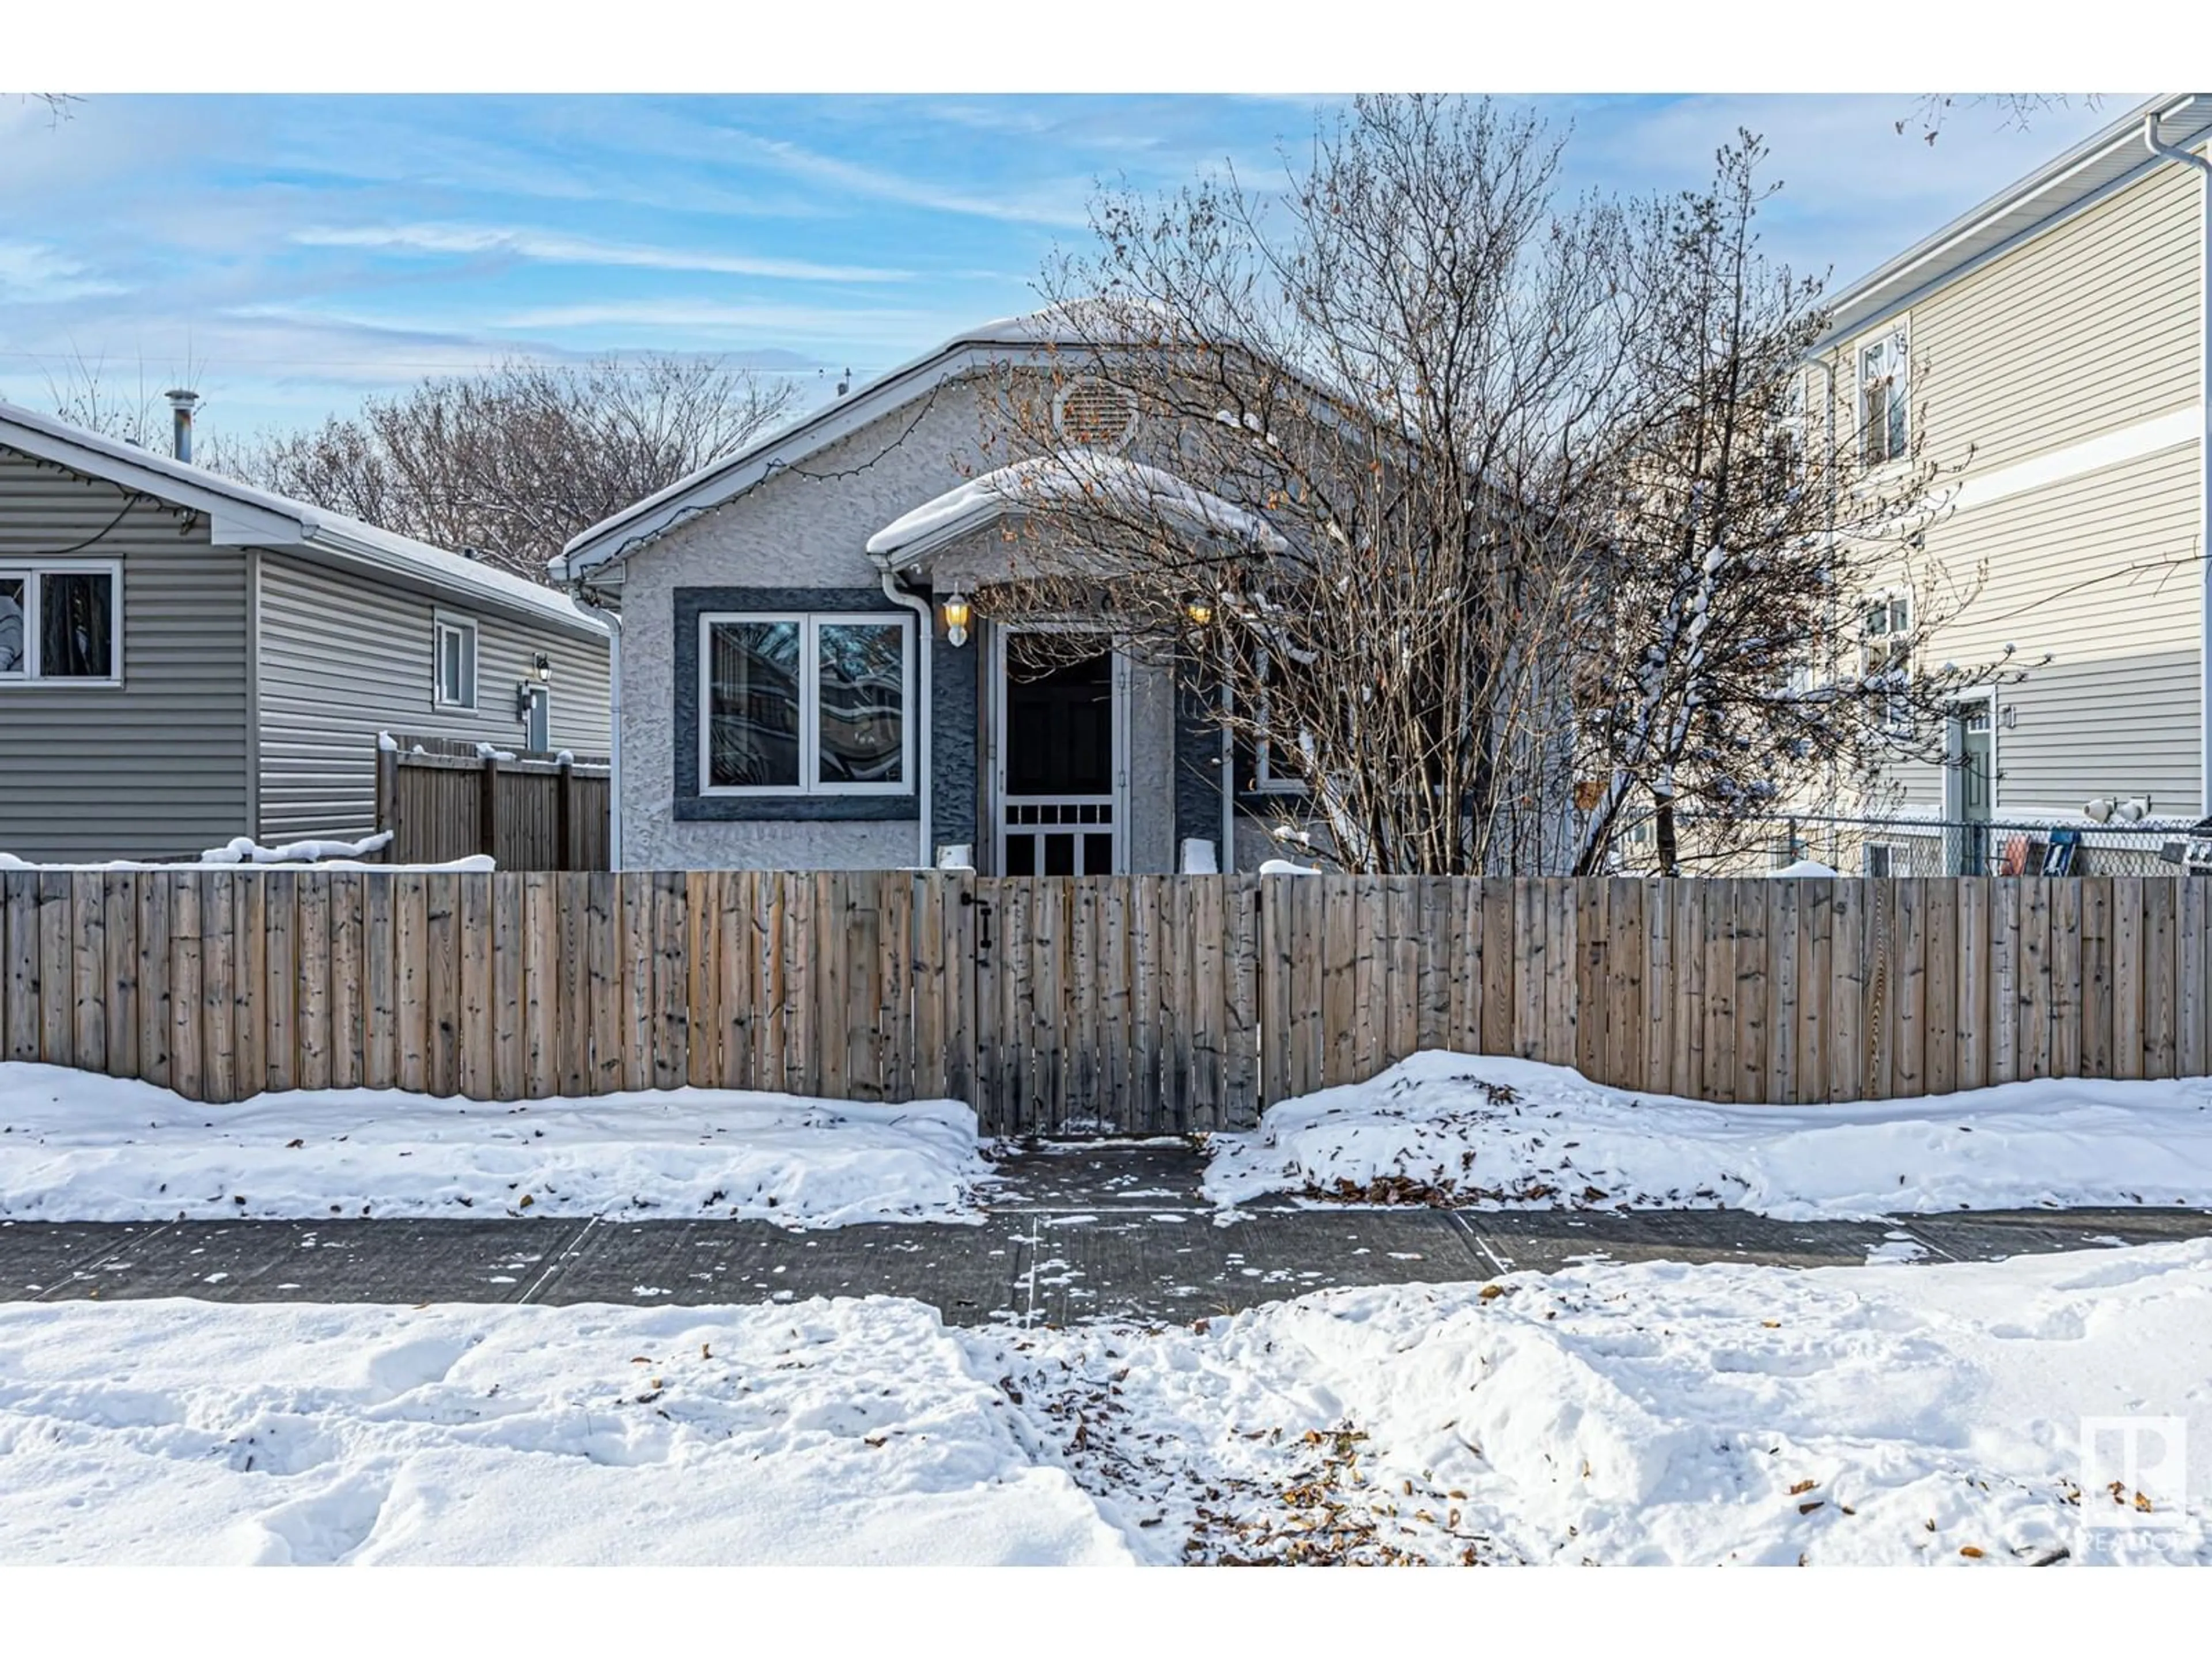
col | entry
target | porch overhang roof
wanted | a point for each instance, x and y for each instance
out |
(911, 541)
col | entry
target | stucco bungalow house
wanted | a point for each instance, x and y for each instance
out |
(185, 660)
(801, 683)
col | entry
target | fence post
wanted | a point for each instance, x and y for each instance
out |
(387, 790)
(564, 812)
(488, 807)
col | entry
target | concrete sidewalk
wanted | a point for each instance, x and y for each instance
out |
(1072, 1233)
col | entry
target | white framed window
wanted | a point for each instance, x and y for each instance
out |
(1885, 397)
(806, 704)
(454, 684)
(1270, 773)
(1885, 654)
(1790, 426)
(1878, 858)
(61, 623)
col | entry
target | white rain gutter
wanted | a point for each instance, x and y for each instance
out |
(925, 643)
(2174, 152)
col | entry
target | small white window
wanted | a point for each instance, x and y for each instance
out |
(1887, 655)
(456, 682)
(61, 622)
(1885, 399)
(806, 705)
(1877, 858)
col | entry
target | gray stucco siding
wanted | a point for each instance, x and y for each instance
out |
(157, 766)
(343, 658)
(804, 528)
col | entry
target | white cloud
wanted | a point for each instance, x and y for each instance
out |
(823, 322)
(556, 247)
(1053, 209)
(33, 273)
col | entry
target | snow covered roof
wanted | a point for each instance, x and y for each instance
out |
(2099, 165)
(242, 516)
(1071, 475)
(1074, 323)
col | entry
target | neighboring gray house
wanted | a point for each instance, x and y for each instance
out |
(787, 698)
(185, 660)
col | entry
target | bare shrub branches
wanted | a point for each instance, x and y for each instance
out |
(515, 460)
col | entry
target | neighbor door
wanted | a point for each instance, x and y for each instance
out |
(1058, 745)
(1969, 747)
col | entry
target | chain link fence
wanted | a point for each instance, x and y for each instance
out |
(1920, 847)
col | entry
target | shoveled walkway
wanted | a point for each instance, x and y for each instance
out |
(1071, 1233)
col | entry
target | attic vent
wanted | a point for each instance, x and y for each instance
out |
(1094, 414)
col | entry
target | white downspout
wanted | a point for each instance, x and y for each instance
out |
(1226, 863)
(926, 643)
(2174, 152)
(613, 620)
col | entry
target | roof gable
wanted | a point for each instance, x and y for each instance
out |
(2099, 164)
(241, 515)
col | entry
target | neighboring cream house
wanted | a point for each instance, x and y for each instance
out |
(2054, 340)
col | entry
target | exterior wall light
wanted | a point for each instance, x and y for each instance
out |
(544, 664)
(956, 613)
(1199, 608)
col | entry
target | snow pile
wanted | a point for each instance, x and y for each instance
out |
(1653, 1414)
(1619, 1414)
(188, 1433)
(243, 849)
(1501, 1133)
(1803, 868)
(79, 1147)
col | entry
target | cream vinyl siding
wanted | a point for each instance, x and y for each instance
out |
(2089, 326)
(156, 768)
(343, 658)
(2085, 334)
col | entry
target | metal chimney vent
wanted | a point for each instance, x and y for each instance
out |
(181, 405)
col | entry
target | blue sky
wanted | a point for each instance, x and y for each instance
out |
(301, 252)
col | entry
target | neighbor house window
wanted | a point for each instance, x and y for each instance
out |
(62, 623)
(1888, 655)
(1278, 753)
(806, 705)
(456, 686)
(1885, 389)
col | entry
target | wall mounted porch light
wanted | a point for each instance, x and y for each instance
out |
(956, 613)
(1199, 608)
(544, 664)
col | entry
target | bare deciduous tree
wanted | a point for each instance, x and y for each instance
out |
(1375, 414)
(1484, 527)
(1731, 659)
(515, 460)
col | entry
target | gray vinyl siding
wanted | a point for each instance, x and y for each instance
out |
(156, 767)
(343, 658)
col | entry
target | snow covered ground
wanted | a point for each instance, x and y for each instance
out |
(79, 1148)
(1639, 1413)
(1504, 1133)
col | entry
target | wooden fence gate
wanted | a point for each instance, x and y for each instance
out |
(1129, 1004)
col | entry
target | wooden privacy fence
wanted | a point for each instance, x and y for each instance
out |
(529, 811)
(1132, 1003)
